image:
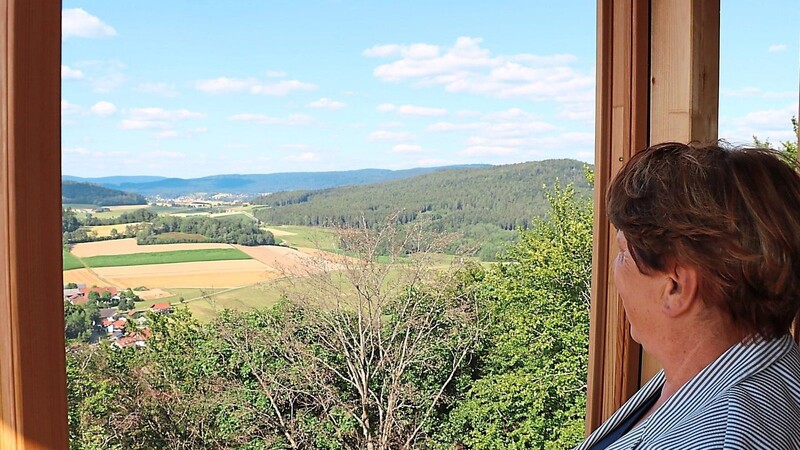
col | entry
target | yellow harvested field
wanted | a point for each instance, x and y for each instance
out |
(289, 261)
(190, 275)
(105, 230)
(128, 246)
(278, 232)
(152, 294)
(83, 276)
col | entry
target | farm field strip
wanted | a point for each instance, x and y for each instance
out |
(288, 260)
(213, 274)
(69, 261)
(129, 246)
(83, 276)
(177, 256)
(105, 230)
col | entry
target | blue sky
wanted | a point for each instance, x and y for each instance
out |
(186, 88)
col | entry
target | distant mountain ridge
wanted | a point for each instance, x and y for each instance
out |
(88, 193)
(485, 205)
(254, 184)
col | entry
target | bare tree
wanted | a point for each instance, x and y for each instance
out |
(392, 329)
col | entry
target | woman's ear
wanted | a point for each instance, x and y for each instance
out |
(681, 290)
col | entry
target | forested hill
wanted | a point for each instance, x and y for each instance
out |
(88, 193)
(256, 184)
(485, 204)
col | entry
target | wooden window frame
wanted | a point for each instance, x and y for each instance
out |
(647, 91)
(33, 401)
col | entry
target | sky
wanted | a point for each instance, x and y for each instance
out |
(191, 88)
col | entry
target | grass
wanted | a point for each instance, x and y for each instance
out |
(179, 256)
(313, 237)
(177, 294)
(70, 261)
(240, 299)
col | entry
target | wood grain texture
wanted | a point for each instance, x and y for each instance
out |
(684, 80)
(33, 412)
(621, 129)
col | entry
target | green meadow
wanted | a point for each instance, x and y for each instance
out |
(178, 256)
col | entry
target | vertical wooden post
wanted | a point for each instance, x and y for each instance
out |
(33, 412)
(623, 48)
(684, 88)
(657, 80)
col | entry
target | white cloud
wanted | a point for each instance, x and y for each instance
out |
(103, 108)
(579, 111)
(770, 118)
(768, 124)
(225, 84)
(406, 148)
(136, 124)
(167, 134)
(326, 103)
(283, 87)
(412, 110)
(103, 76)
(79, 23)
(68, 73)
(381, 51)
(397, 136)
(160, 88)
(501, 135)
(776, 48)
(292, 119)
(446, 127)
(303, 157)
(468, 113)
(163, 114)
(69, 108)
(176, 134)
(469, 68)
(252, 85)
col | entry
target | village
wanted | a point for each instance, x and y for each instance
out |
(111, 314)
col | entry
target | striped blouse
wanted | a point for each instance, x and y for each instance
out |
(748, 398)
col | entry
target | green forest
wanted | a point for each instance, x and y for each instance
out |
(237, 229)
(368, 356)
(484, 205)
(73, 192)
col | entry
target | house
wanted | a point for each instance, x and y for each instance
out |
(114, 324)
(161, 308)
(137, 339)
(100, 290)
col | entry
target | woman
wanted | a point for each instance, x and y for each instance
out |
(708, 271)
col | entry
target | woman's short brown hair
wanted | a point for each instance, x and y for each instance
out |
(732, 213)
